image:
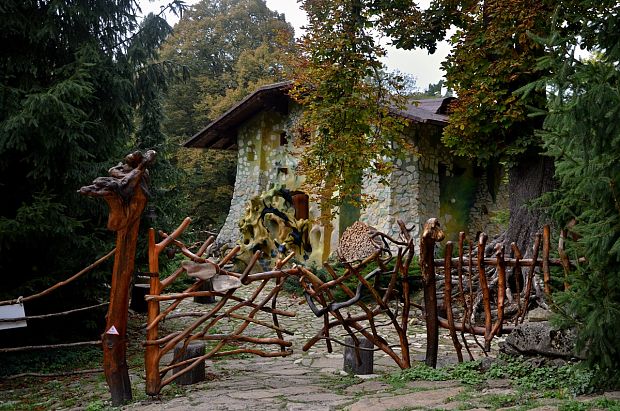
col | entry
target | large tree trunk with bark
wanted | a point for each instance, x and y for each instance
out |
(528, 179)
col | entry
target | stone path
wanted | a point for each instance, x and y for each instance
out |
(314, 380)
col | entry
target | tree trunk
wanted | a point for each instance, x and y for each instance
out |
(528, 179)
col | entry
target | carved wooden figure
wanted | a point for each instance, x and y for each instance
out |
(125, 191)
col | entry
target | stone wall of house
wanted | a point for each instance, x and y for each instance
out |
(262, 162)
(413, 193)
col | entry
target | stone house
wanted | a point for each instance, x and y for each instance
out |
(431, 183)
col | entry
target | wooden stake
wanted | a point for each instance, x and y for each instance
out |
(530, 276)
(545, 259)
(501, 294)
(431, 234)
(486, 295)
(447, 297)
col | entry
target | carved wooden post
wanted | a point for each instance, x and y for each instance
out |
(431, 234)
(126, 192)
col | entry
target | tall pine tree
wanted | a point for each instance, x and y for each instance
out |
(72, 74)
(582, 133)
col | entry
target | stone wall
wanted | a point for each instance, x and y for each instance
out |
(413, 193)
(262, 162)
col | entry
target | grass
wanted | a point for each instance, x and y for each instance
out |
(339, 383)
(598, 404)
(528, 383)
(51, 361)
(466, 372)
(561, 381)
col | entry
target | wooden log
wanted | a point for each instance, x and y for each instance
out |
(511, 262)
(431, 234)
(501, 294)
(564, 257)
(151, 353)
(60, 283)
(206, 285)
(125, 191)
(462, 292)
(484, 285)
(53, 375)
(473, 330)
(352, 354)
(49, 346)
(51, 315)
(409, 253)
(138, 292)
(518, 275)
(545, 259)
(448, 300)
(194, 349)
(530, 276)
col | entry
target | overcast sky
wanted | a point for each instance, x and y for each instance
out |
(424, 67)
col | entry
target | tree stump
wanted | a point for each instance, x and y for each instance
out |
(194, 349)
(367, 357)
(207, 285)
(138, 292)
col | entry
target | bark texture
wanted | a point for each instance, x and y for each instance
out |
(528, 179)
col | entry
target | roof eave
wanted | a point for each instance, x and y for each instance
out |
(215, 127)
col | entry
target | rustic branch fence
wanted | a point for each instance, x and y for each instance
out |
(241, 311)
(471, 282)
(490, 277)
(380, 299)
(47, 291)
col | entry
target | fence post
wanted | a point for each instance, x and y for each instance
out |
(125, 191)
(151, 355)
(431, 234)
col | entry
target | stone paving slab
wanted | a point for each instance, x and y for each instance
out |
(422, 399)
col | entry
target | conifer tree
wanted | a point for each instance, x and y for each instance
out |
(72, 75)
(582, 133)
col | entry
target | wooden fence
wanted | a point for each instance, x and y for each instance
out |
(484, 280)
(469, 280)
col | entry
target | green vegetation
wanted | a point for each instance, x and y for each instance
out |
(339, 383)
(82, 85)
(466, 372)
(51, 361)
(347, 99)
(514, 70)
(564, 381)
(598, 404)
(75, 81)
(582, 133)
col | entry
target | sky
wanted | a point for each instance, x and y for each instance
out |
(424, 67)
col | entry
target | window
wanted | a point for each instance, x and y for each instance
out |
(283, 138)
